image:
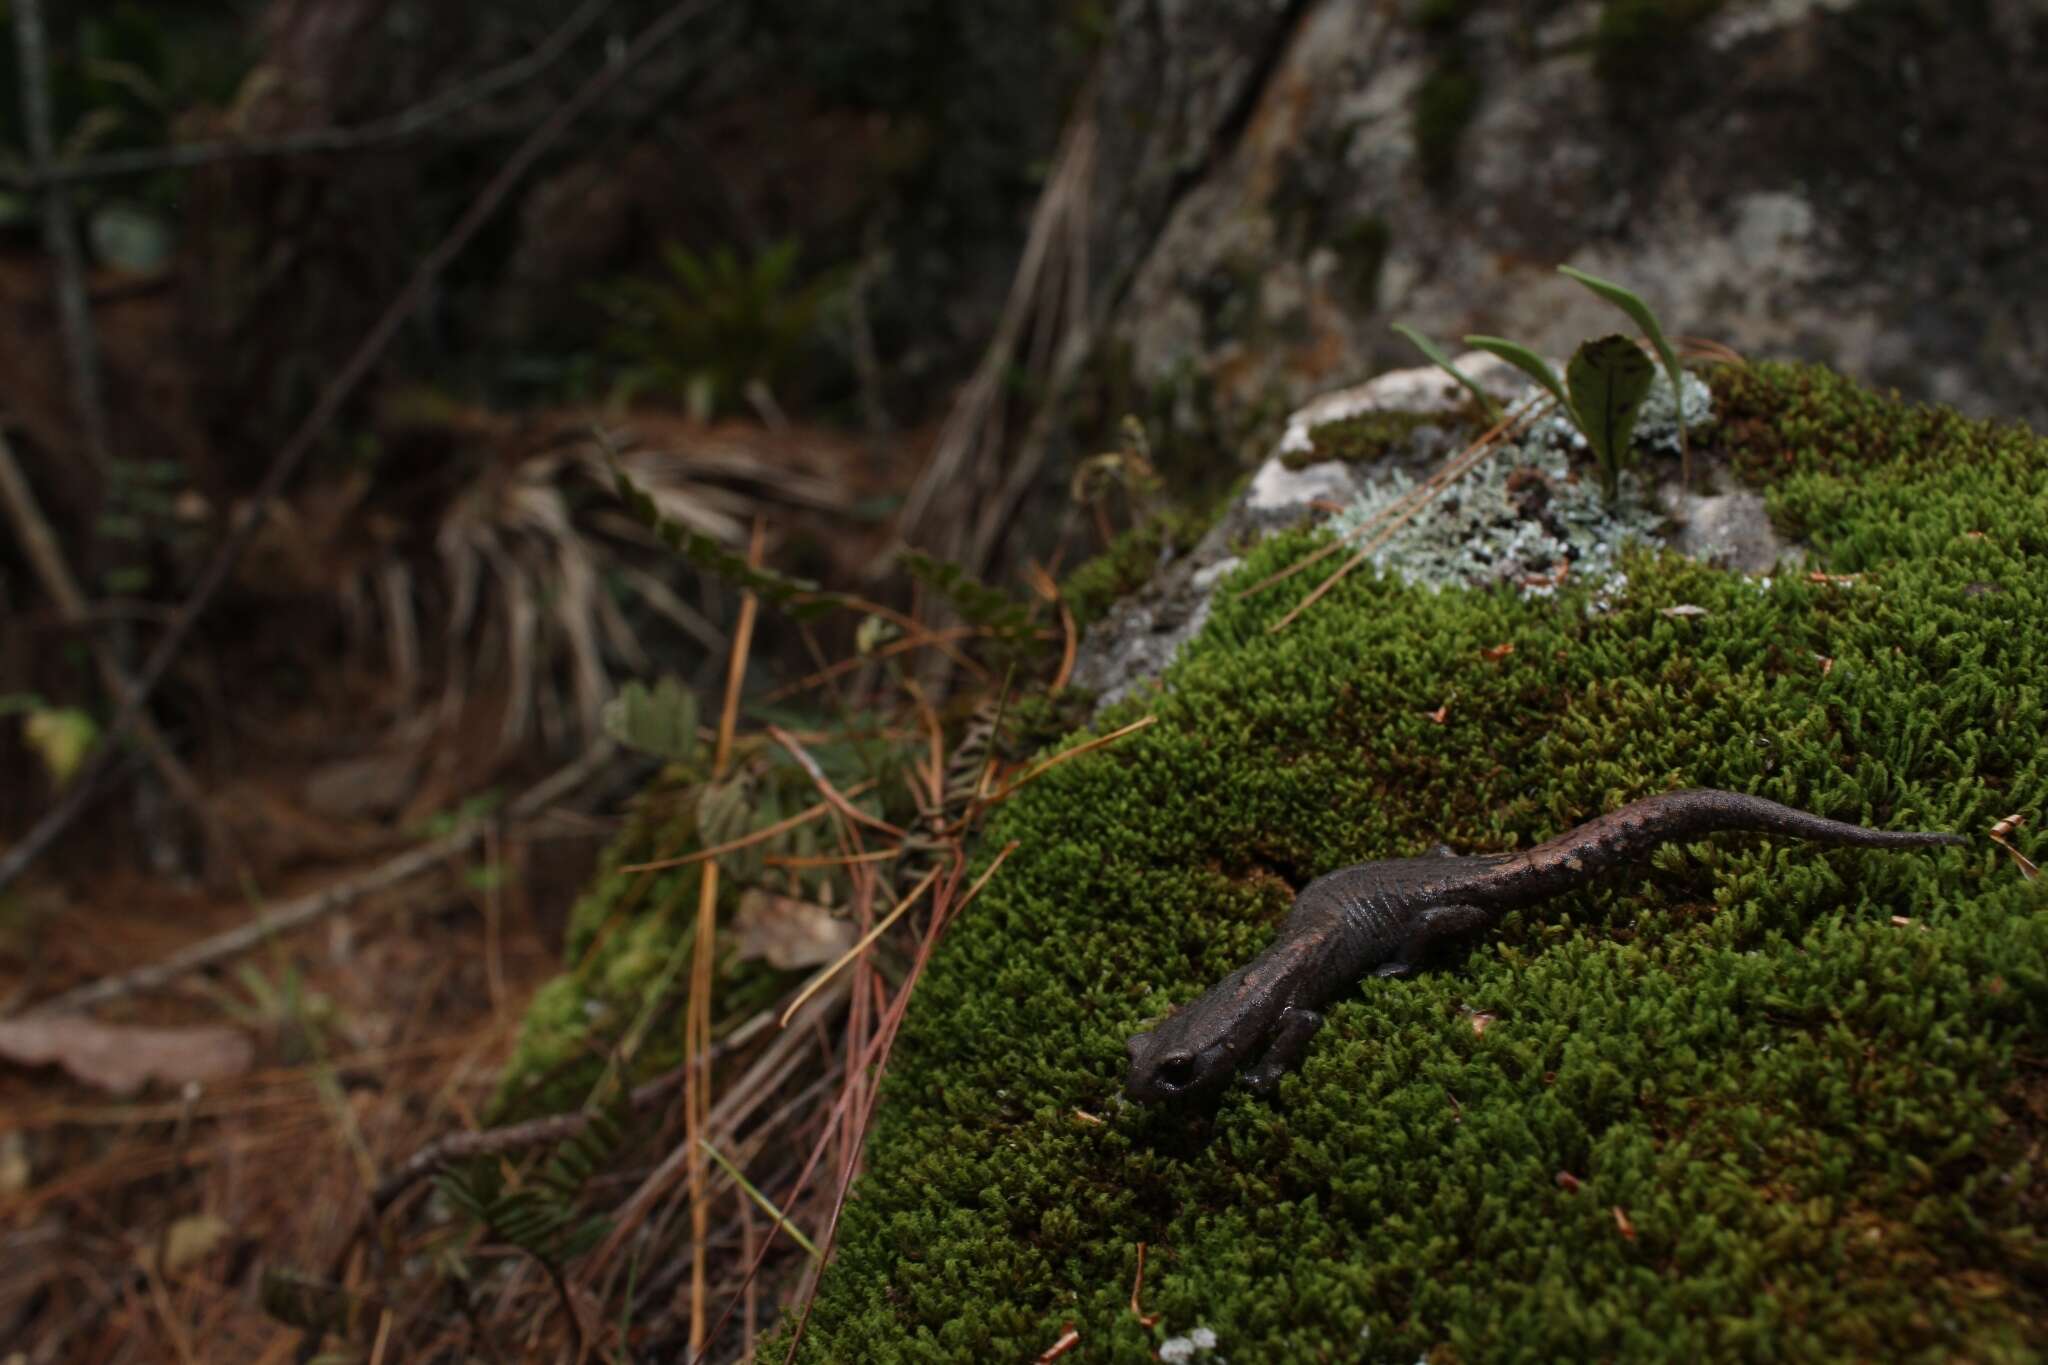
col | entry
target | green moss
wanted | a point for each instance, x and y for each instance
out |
(1362, 439)
(1821, 1125)
(1131, 559)
(629, 939)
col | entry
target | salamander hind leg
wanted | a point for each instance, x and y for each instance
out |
(1437, 922)
(1291, 1033)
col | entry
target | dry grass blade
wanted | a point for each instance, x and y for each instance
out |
(1405, 506)
(825, 788)
(697, 1017)
(878, 1050)
(1039, 770)
(922, 640)
(763, 1202)
(761, 835)
(879, 855)
(1701, 348)
(1048, 588)
(1405, 510)
(1998, 834)
(861, 945)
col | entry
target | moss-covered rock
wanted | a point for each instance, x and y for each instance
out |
(1758, 1099)
(1361, 439)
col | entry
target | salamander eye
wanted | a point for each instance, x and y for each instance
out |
(1177, 1073)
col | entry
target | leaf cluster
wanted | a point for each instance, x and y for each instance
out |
(542, 1214)
(715, 324)
(1605, 382)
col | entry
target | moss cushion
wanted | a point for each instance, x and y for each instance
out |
(1757, 1099)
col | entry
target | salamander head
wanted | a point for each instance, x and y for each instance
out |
(1199, 1046)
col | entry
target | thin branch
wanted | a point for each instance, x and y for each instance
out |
(39, 543)
(60, 238)
(297, 914)
(399, 127)
(339, 391)
(518, 1137)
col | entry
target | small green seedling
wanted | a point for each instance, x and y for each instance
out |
(1443, 362)
(1640, 314)
(1609, 379)
(1603, 390)
(1604, 385)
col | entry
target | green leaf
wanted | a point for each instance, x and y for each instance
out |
(799, 597)
(1640, 314)
(1443, 362)
(1609, 379)
(61, 736)
(659, 720)
(1529, 363)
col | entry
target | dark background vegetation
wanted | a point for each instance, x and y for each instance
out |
(779, 274)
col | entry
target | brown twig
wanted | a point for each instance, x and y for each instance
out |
(833, 968)
(297, 914)
(519, 1137)
(879, 1048)
(759, 836)
(697, 1014)
(1138, 1287)
(825, 788)
(340, 389)
(406, 124)
(39, 543)
(60, 239)
(732, 1107)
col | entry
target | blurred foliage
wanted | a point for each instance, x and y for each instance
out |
(715, 326)
(121, 76)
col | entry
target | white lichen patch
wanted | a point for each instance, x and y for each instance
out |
(1531, 516)
(1200, 1342)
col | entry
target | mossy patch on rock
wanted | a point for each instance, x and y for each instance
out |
(1757, 1099)
(1361, 439)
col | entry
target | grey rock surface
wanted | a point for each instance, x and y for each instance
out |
(1524, 521)
(1854, 183)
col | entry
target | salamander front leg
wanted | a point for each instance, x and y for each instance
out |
(1291, 1032)
(1437, 922)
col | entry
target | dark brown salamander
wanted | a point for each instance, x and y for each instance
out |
(1381, 917)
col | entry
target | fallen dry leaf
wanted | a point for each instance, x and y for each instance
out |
(1827, 665)
(1568, 1182)
(1438, 716)
(789, 933)
(1498, 652)
(1621, 1221)
(119, 1058)
(1480, 1022)
(186, 1243)
(15, 1171)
